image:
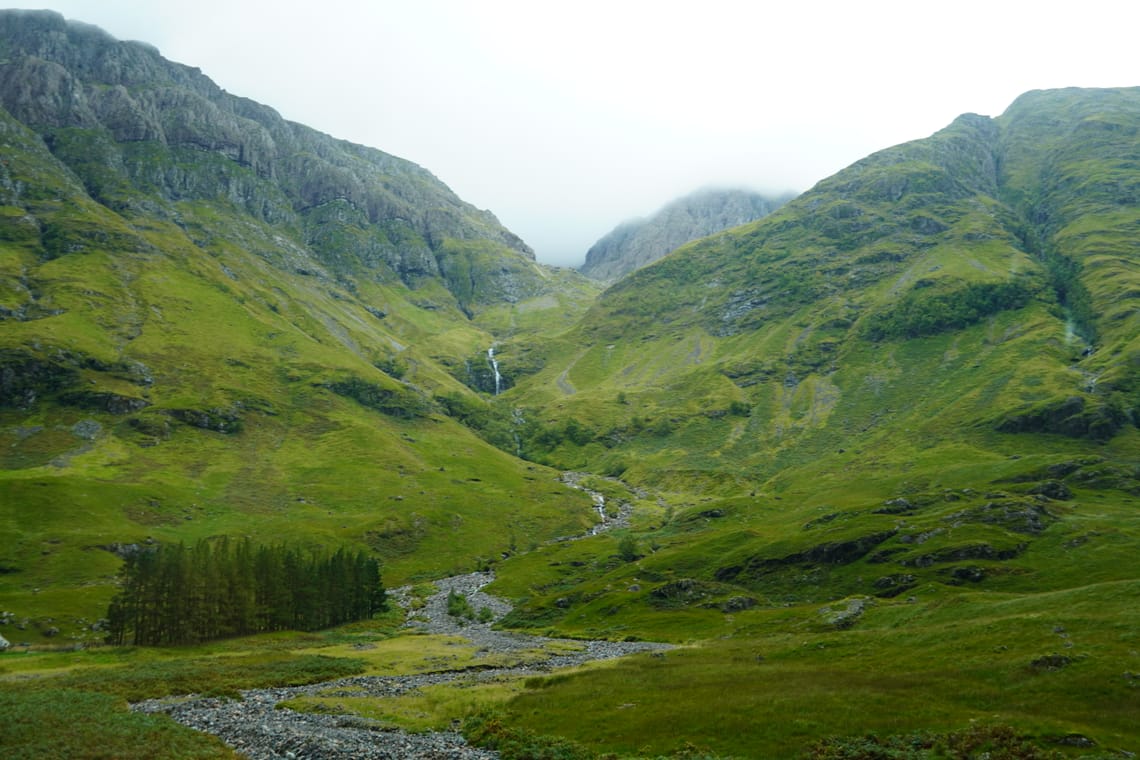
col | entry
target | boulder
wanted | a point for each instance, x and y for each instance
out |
(847, 617)
(738, 604)
(1053, 489)
(1050, 662)
(897, 506)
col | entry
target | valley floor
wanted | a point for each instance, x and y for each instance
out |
(259, 729)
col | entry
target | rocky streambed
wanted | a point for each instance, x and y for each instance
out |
(257, 728)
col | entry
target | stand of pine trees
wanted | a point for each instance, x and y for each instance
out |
(182, 595)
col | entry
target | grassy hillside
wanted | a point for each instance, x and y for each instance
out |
(187, 349)
(924, 296)
(176, 393)
(880, 447)
(901, 410)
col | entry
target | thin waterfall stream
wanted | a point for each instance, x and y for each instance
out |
(495, 368)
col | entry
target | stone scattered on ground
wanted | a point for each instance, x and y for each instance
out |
(257, 728)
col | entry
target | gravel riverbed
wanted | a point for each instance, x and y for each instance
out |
(257, 728)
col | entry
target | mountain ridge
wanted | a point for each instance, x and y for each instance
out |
(363, 212)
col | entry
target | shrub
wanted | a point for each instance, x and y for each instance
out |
(402, 403)
(459, 607)
(41, 723)
(992, 742)
(921, 312)
(628, 548)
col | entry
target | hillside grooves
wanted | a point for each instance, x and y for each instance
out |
(1064, 277)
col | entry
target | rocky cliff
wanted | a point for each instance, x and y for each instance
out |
(142, 133)
(638, 242)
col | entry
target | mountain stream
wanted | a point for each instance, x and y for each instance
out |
(257, 728)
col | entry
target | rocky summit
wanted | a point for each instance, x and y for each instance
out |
(868, 463)
(639, 242)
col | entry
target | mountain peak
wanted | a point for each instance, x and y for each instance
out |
(639, 242)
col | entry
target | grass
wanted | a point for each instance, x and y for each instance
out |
(770, 693)
(74, 704)
(772, 684)
(134, 675)
(430, 708)
(70, 723)
(41, 687)
(405, 655)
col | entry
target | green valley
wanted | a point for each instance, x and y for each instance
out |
(870, 464)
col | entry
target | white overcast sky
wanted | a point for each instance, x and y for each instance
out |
(566, 118)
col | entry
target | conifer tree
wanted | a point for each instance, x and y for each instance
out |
(179, 595)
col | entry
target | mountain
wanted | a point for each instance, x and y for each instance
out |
(639, 242)
(872, 457)
(871, 308)
(142, 133)
(904, 404)
(216, 321)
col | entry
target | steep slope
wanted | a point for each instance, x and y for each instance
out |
(941, 317)
(783, 341)
(128, 123)
(894, 424)
(213, 321)
(1072, 172)
(639, 242)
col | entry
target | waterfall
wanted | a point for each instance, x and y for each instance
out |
(600, 508)
(495, 366)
